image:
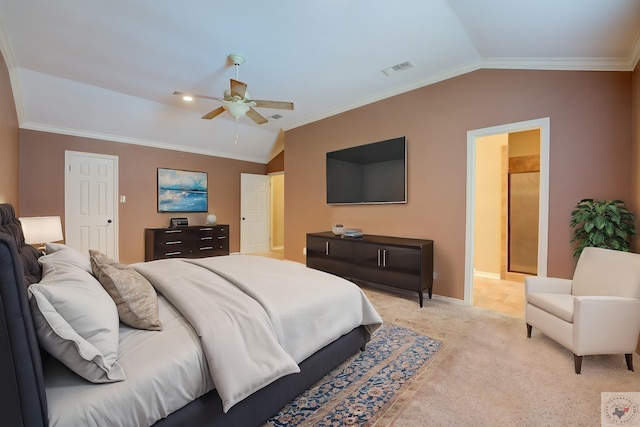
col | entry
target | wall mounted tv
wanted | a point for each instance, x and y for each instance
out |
(367, 174)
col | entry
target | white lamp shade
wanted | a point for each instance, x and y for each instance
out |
(38, 230)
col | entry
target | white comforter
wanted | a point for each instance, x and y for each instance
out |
(257, 317)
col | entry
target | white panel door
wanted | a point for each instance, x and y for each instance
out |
(91, 186)
(255, 208)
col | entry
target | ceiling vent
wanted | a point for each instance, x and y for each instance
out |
(397, 68)
(276, 117)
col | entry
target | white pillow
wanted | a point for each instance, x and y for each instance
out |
(77, 323)
(50, 247)
(64, 257)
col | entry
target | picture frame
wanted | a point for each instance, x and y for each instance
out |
(182, 191)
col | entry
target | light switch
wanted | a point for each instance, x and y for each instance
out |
(123, 199)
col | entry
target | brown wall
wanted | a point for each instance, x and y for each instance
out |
(635, 180)
(42, 157)
(276, 164)
(9, 141)
(589, 157)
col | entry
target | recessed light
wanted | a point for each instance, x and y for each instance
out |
(187, 98)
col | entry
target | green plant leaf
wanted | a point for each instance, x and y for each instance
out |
(610, 229)
(588, 226)
(600, 222)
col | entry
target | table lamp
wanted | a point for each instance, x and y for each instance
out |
(39, 230)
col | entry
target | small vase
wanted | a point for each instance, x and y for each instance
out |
(211, 219)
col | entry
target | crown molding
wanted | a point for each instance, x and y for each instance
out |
(559, 64)
(135, 141)
(429, 80)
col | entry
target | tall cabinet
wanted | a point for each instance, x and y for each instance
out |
(397, 262)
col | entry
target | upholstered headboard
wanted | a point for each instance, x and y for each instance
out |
(10, 226)
(23, 400)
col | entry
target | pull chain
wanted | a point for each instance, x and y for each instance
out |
(236, 140)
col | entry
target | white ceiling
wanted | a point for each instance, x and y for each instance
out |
(107, 69)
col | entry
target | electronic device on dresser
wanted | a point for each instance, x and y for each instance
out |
(186, 242)
(397, 262)
(179, 222)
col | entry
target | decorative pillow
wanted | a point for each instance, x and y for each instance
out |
(77, 323)
(63, 257)
(134, 296)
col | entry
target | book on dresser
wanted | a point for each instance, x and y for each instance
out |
(398, 262)
(186, 242)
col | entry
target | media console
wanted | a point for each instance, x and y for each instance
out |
(397, 262)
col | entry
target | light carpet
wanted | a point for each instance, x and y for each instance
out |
(490, 374)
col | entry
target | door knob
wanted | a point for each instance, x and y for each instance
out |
(109, 221)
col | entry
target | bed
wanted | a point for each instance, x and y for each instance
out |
(187, 364)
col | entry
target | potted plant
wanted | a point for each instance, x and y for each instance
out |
(601, 224)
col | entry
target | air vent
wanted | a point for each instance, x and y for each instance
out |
(276, 117)
(397, 68)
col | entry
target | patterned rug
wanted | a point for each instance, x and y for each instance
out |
(363, 387)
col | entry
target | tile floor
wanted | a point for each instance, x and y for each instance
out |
(503, 296)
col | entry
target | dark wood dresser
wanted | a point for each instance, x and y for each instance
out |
(392, 261)
(186, 242)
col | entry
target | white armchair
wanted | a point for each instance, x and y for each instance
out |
(598, 312)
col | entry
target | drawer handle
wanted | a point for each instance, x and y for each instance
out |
(172, 253)
(206, 229)
(382, 257)
(173, 242)
(206, 248)
(206, 238)
(326, 248)
(172, 231)
(222, 237)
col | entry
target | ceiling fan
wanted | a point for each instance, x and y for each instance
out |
(236, 100)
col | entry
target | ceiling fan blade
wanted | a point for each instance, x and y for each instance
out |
(238, 88)
(212, 114)
(274, 104)
(256, 117)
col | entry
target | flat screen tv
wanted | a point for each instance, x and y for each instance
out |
(182, 191)
(367, 174)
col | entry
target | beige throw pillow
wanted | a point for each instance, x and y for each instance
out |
(135, 297)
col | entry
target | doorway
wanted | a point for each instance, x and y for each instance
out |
(473, 139)
(91, 209)
(262, 214)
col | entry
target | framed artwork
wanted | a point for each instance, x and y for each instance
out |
(182, 191)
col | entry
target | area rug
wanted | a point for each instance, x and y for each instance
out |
(362, 388)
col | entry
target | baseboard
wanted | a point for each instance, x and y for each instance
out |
(486, 275)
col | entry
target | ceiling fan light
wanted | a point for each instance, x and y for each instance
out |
(236, 109)
(187, 98)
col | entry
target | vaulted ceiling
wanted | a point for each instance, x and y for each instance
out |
(108, 69)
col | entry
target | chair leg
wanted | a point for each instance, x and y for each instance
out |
(629, 358)
(577, 360)
(529, 330)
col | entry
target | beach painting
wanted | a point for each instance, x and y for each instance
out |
(182, 191)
